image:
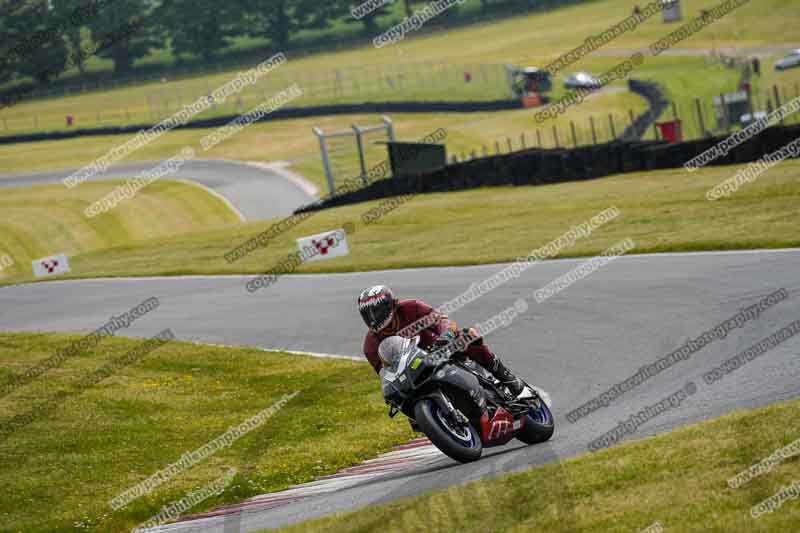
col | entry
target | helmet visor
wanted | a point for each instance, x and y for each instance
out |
(377, 313)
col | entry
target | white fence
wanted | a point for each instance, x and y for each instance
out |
(350, 153)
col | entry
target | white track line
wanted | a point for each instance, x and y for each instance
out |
(282, 169)
(214, 193)
(293, 352)
(423, 269)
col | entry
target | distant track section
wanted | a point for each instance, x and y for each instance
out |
(256, 192)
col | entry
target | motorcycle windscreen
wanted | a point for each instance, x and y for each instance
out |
(396, 355)
(392, 349)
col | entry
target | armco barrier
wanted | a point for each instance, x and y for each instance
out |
(538, 166)
(285, 114)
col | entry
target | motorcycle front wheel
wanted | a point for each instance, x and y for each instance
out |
(539, 425)
(460, 443)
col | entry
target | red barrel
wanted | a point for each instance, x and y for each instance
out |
(671, 131)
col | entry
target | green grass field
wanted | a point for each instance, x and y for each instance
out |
(293, 140)
(678, 479)
(534, 39)
(45, 220)
(662, 211)
(74, 457)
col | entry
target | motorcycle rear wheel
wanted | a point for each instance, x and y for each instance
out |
(462, 444)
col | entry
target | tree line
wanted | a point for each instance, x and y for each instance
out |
(43, 38)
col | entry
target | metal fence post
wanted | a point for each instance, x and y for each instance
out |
(326, 163)
(361, 160)
(797, 90)
(777, 99)
(594, 131)
(700, 121)
(389, 127)
(634, 127)
(725, 120)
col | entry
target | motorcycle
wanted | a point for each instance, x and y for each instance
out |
(457, 404)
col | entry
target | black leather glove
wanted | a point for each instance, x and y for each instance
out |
(472, 333)
(445, 339)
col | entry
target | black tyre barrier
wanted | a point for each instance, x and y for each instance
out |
(536, 166)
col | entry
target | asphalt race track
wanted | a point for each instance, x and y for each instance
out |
(258, 193)
(595, 333)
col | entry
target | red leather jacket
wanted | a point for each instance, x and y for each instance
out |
(406, 313)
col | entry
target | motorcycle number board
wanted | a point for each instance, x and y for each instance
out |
(55, 265)
(323, 246)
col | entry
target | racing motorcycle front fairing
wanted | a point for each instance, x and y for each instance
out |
(416, 375)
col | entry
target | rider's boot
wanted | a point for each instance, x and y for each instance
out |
(504, 375)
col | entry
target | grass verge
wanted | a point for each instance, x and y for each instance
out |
(661, 211)
(678, 479)
(45, 220)
(63, 467)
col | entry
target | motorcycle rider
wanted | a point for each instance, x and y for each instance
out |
(386, 316)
